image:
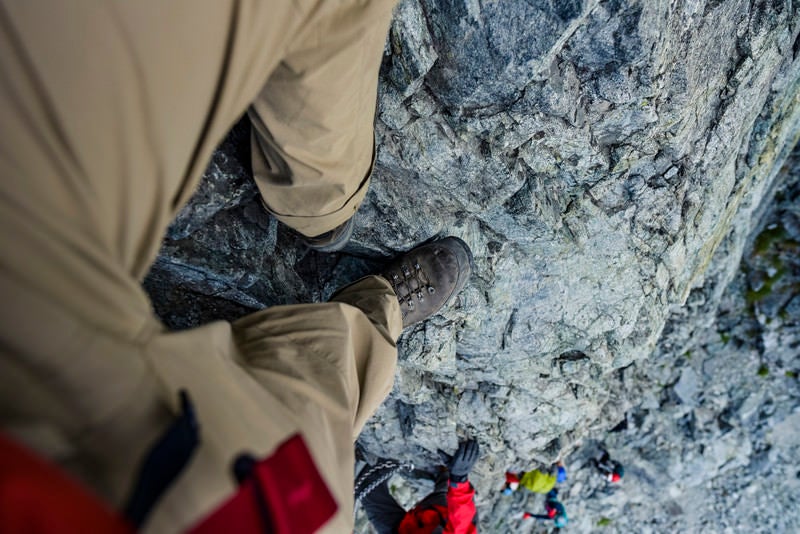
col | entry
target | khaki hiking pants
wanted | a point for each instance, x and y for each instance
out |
(109, 112)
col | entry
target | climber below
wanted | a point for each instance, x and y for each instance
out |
(448, 509)
(611, 470)
(554, 510)
(536, 481)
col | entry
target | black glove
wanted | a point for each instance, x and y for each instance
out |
(460, 464)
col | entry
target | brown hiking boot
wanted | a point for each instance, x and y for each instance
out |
(428, 277)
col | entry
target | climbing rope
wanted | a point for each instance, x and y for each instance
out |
(385, 470)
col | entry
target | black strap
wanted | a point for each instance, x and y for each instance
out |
(164, 462)
(244, 469)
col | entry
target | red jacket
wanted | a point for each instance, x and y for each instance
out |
(284, 490)
(456, 518)
(36, 497)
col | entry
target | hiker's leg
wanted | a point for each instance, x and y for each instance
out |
(382, 510)
(313, 139)
(109, 113)
(317, 369)
(345, 349)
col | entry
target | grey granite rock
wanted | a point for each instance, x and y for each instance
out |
(727, 462)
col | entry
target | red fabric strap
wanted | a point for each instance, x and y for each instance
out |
(296, 499)
(36, 497)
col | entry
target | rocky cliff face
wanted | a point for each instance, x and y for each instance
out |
(607, 162)
(711, 437)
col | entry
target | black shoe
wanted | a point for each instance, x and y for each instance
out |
(332, 240)
(429, 276)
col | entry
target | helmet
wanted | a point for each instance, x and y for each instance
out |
(619, 470)
(512, 478)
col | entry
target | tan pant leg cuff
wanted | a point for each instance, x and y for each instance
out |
(319, 224)
(374, 296)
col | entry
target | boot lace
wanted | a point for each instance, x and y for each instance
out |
(405, 290)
